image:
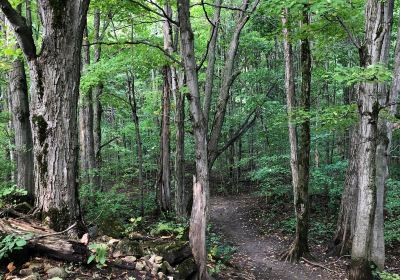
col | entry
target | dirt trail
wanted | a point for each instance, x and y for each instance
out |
(256, 254)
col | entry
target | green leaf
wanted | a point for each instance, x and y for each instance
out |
(20, 242)
(91, 258)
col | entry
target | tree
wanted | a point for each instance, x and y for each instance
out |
(19, 107)
(87, 150)
(300, 149)
(54, 74)
(373, 51)
(197, 233)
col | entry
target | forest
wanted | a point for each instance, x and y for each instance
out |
(203, 139)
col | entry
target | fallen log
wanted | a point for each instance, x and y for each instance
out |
(44, 241)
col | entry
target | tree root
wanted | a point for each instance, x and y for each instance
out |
(294, 253)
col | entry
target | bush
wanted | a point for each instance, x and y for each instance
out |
(108, 210)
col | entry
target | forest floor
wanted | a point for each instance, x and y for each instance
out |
(257, 255)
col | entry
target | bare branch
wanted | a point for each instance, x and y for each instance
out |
(139, 42)
(349, 33)
(218, 6)
(160, 13)
(247, 124)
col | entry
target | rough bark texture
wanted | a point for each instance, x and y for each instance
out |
(344, 233)
(201, 185)
(164, 192)
(54, 74)
(45, 241)
(385, 129)
(97, 109)
(22, 127)
(378, 21)
(180, 193)
(87, 152)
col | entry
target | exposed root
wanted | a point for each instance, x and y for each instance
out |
(292, 254)
(295, 253)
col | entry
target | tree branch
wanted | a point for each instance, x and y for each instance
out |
(161, 13)
(21, 29)
(218, 6)
(352, 38)
(108, 142)
(248, 123)
(138, 42)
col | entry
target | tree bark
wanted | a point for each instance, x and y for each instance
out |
(164, 192)
(180, 191)
(198, 218)
(45, 242)
(212, 48)
(375, 50)
(300, 156)
(97, 109)
(87, 152)
(19, 105)
(385, 128)
(54, 74)
(342, 240)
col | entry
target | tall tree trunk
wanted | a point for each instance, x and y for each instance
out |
(385, 129)
(164, 192)
(180, 191)
(228, 77)
(54, 74)
(22, 127)
(212, 48)
(375, 50)
(198, 220)
(87, 152)
(138, 137)
(300, 163)
(19, 108)
(97, 109)
(342, 240)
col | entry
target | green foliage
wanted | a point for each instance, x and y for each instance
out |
(273, 177)
(384, 275)
(288, 225)
(392, 222)
(109, 210)
(99, 254)
(321, 230)
(217, 250)
(10, 194)
(12, 242)
(133, 225)
(352, 75)
(169, 228)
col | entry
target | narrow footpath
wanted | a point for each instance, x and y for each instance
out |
(256, 255)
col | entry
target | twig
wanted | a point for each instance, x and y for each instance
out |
(55, 233)
(344, 256)
(318, 264)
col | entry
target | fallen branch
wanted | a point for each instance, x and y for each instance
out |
(55, 233)
(45, 241)
(318, 265)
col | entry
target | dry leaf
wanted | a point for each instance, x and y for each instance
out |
(85, 239)
(11, 267)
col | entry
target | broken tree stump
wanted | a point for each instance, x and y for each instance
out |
(44, 241)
